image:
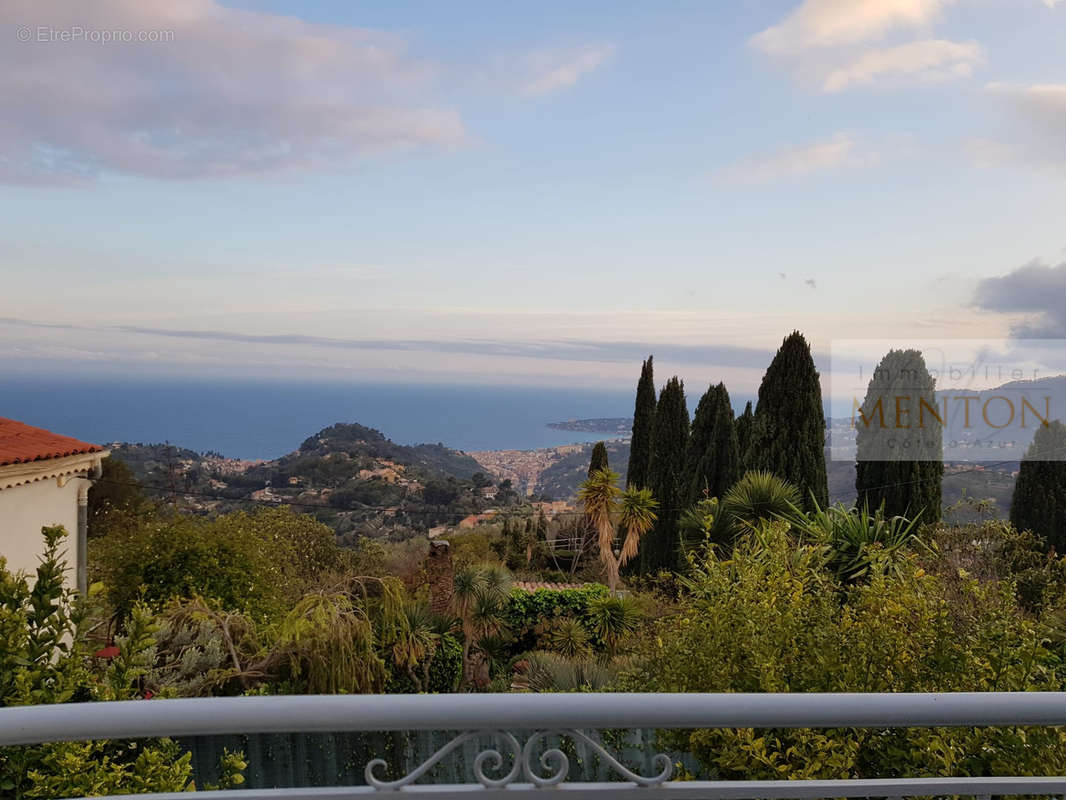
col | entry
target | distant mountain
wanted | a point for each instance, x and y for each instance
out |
(563, 478)
(619, 426)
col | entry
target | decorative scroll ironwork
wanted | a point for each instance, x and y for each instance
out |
(524, 761)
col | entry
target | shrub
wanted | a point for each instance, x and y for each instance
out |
(528, 614)
(774, 618)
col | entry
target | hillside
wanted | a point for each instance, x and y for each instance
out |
(347, 474)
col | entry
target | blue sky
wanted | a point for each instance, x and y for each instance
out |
(534, 193)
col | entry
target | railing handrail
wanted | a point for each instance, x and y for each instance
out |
(335, 713)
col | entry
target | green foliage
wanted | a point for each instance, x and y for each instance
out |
(638, 472)
(743, 428)
(44, 659)
(599, 458)
(788, 431)
(757, 497)
(1039, 503)
(257, 562)
(567, 637)
(660, 547)
(712, 463)
(904, 488)
(613, 620)
(529, 613)
(857, 541)
(555, 672)
(116, 493)
(773, 617)
(994, 550)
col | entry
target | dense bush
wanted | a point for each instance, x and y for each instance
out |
(775, 618)
(528, 614)
(256, 562)
(44, 658)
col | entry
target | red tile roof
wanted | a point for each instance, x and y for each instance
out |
(21, 443)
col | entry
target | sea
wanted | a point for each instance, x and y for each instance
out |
(266, 419)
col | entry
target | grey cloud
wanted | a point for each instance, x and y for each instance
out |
(1036, 289)
(231, 92)
(562, 349)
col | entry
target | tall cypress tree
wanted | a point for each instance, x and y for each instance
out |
(640, 445)
(659, 547)
(1039, 502)
(699, 441)
(712, 465)
(899, 431)
(743, 425)
(788, 432)
(720, 467)
(599, 458)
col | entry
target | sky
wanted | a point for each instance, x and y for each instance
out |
(538, 193)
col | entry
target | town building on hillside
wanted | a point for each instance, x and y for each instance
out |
(44, 481)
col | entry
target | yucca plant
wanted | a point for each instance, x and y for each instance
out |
(758, 497)
(567, 637)
(613, 619)
(634, 510)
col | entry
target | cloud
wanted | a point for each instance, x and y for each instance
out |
(832, 44)
(1035, 289)
(793, 162)
(214, 92)
(832, 23)
(550, 71)
(927, 60)
(1037, 114)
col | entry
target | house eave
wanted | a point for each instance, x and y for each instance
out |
(60, 469)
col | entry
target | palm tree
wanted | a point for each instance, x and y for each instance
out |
(634, 509)
(479, 597)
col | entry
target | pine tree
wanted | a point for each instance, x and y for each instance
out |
(744, 423)
(788, 431)
(659, 548)
(1039, 502)
(599, 458)
(899, 417)
(640, 445)
(712, 464)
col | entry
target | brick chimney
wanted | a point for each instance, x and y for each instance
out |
(441, 576)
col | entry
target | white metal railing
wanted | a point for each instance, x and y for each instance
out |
(514, 765)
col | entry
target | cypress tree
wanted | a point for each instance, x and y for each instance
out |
(1039, 502)
(599, 458)
(743, 424)
(899, 433)
(788, 431)
(720, 467)
(640, 445)
(659, 547)
(712, 465)
(699, 442)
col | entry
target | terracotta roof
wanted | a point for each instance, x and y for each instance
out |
(21, 443)
(532, 586)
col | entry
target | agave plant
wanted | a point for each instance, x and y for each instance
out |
(551, 672)
(855, 539)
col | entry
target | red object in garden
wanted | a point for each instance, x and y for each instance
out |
(111, 651)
